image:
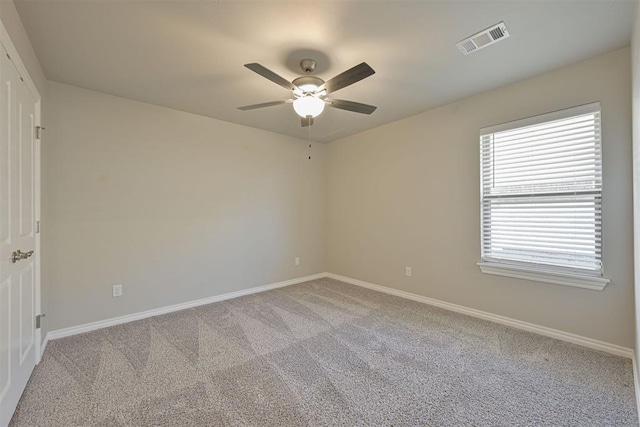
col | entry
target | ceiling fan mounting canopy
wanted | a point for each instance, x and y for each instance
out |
(310, 91)
(308, 65)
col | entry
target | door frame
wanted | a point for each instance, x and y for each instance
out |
(10, 48)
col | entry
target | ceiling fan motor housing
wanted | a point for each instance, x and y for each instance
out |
(308, 84)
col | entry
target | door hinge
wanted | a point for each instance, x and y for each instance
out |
(37, 226)
(39, 130)
(39, 320)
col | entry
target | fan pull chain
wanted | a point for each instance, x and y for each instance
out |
(309, 138)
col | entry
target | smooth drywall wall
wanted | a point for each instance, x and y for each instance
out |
(407, 194)
(173, 206)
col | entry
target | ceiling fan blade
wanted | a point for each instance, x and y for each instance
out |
(356, 107)
(264, 104)
(268, 74)
(349, 77)
(306, 121)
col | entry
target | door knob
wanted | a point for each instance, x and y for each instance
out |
(18, 255)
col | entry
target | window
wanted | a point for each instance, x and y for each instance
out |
(541, 194)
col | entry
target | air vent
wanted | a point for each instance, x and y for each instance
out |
(483, 39)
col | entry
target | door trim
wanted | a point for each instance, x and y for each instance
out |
(37, 176)
(15, 58)
(8, 45)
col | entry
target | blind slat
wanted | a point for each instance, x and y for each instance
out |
(552, 159)
(558, 141)
(543, 125)
(565, 132)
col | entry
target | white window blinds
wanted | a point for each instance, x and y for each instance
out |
(541, 190)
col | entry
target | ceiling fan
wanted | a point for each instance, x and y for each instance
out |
(310, 92)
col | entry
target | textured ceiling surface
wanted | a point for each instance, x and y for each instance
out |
(189, 55)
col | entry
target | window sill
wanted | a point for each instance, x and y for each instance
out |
(567, 279)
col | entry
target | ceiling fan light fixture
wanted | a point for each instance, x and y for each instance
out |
(308, 106)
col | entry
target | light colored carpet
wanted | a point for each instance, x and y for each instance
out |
(323, 353)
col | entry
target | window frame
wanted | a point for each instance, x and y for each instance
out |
(531, 271)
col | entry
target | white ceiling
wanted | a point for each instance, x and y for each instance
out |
(189, 55)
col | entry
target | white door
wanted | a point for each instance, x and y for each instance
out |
(17, 232)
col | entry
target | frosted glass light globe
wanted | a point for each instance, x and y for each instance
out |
(308, 106)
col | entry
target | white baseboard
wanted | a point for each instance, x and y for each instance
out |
(87, 327)
(43, 346)
(518, 324)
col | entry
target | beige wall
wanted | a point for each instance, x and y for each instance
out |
(407, 194)
(178, 207)
(172, 205)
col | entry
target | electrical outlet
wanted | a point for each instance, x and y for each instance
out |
(117, 291)
(407, 271)
(297, 261)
